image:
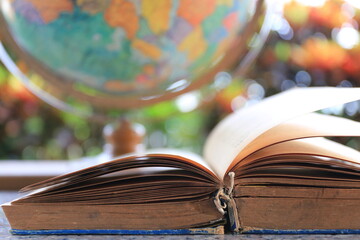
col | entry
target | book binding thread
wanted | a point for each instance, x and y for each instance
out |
(226, 205)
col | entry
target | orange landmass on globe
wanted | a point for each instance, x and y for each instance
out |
(50, 10)
(147, 49)
(157, 14)
(194, 44)
(195, 11)
(93, 6)
(121, 13)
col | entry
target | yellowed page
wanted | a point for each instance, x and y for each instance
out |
(316, 146)
(239, 129)
(185, 155)
(305, 126)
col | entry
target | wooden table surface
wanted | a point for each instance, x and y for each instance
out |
(6, 196)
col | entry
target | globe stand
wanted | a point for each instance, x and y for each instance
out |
(124, 137)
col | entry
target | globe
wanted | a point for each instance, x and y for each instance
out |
(125, 54)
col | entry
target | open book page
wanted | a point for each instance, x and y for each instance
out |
(239, 129)
(317, 146)
(131, 179)
(135, 166)
(184, 155)
(154, 186)
(305, 126)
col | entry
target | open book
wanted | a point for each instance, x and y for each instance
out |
(265, 167)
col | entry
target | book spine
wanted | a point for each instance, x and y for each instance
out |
(226, 205)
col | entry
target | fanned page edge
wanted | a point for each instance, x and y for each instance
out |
(311, 125)
(307, 147)
(240, 128)
(188, 158)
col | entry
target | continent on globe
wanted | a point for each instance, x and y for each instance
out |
(157, 14)
(122, 13)
(195, 11)
(47, 11)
